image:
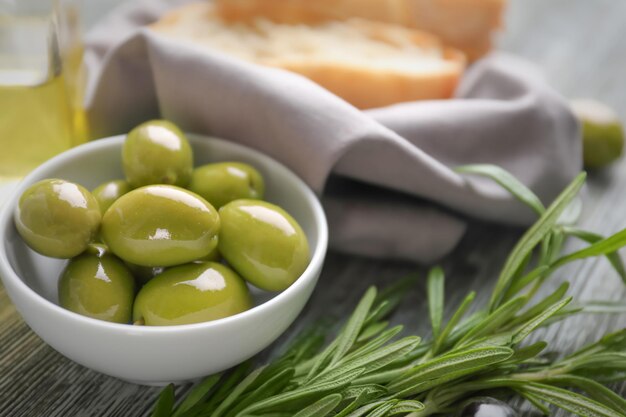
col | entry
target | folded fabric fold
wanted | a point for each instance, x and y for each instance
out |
(503, 114)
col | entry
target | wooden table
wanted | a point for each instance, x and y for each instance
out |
(581, 46)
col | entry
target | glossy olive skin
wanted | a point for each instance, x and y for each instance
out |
(160, 225)
(214, 255)
(603, 143)
(106, 193)
(57, 218)
(97, 284)
(263, 243)
(157, 152)
(143, 274)
(191, 293)
(223, 182)
(602, 133)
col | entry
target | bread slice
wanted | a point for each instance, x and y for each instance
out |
(366, 63)
(467, 25)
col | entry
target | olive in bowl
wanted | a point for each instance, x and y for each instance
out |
(157, 152)
(223, 182)
(191, 293)
(160, 225)
(108, 192)
(57, 218)
(97, 284)
(143, 354)
(263, 242)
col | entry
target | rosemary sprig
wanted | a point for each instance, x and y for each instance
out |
(366, 371)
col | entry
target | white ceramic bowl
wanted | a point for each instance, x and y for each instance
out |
(156, 355)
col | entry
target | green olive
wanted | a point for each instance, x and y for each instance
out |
(57, 218)
(143, 274)
(157, 152)
(223, 182)
(160, 225)
(263, 243)
(110, 191)
(214, 255)
(97, 284)
(191, 293)
(602, 132)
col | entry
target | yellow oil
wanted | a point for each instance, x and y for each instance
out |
(36, 123)
(41, 110)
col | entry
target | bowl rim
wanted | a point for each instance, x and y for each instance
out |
(7, 273)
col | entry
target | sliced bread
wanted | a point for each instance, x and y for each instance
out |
(467, 25)
(368, 64)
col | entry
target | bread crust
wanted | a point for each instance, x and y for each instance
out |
(371, 89)
(362, 86)
(467, 25)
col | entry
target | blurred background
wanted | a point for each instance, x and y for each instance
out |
(589, 34)
(577, 45)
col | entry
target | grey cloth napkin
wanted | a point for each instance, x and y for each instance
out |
(385, 175)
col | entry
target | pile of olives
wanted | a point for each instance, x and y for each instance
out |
(145, 250)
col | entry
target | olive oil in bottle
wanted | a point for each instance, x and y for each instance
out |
(40, 110)
(36, 123)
